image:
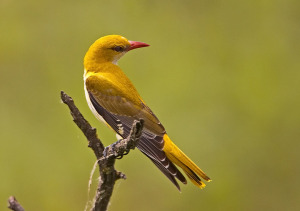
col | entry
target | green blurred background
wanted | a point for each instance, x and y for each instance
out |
(222, 76)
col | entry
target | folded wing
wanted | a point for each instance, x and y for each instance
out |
(120, 112)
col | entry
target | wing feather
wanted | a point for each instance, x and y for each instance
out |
(120, 113)
(114, 99)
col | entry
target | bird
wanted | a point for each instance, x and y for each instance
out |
(113, 99)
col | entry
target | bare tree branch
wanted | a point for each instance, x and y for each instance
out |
(14, 204)
(106, 156)
(85, 127)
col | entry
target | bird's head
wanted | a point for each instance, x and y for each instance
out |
(110, 48)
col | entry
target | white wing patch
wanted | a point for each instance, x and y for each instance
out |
(120, 127)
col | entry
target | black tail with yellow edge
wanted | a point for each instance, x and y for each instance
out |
(175, 155)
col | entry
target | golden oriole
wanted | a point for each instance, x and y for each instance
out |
(114, 100)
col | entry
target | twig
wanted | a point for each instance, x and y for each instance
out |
(85, 127)
(14, 204)
(106, 156)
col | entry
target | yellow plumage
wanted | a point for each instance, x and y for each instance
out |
(114, 100)
(180, 159)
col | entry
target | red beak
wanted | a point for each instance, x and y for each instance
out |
(135, 44)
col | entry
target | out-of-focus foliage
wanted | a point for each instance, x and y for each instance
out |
(222, 76)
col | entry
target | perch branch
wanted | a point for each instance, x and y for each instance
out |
(106, 156)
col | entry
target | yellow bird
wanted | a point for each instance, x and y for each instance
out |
(114, 100)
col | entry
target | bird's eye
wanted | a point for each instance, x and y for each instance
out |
(118, 48)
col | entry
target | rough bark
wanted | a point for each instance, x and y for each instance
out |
(106, 156)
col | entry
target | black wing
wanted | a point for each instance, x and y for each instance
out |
(150, 144)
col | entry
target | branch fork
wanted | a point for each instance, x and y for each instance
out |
(106, 156)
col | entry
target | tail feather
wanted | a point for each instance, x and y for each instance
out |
(170, 171)
(191, 174)
(165, 171)
(188, 166)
